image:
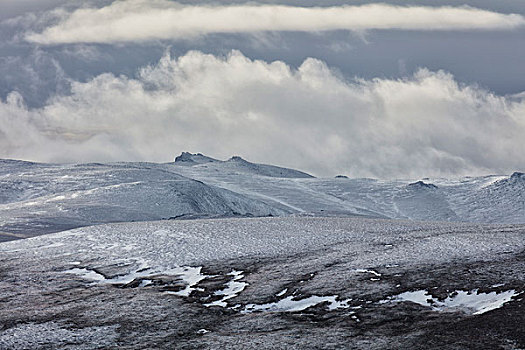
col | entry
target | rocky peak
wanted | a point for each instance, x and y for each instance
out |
(421, 184)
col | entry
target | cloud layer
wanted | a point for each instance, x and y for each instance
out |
(141, 20)
(309, 118)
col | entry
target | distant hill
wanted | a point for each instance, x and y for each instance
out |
(38, 198)
(238, 164)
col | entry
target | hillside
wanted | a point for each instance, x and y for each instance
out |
(38, 198)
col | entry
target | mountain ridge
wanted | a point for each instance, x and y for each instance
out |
(38, 198)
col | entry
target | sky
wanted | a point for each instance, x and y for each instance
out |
(391, 89)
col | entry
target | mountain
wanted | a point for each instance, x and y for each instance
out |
(496, 198)
(237, 164)
(38, 198)
(487, 199)
(43, 198)
(331, 266)
(187, 158)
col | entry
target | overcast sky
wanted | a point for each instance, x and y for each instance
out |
(394, 89)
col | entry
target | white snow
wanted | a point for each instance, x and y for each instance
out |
(191, 276)
(233, 288)
(293, 304)
(479, 303)
(142, 271)
(471, 302)
(87, 274)
(145, 283)
(491, 180)
(43, 198)
(281, 293)
(207, 240)
(52, 245)
(375, 273)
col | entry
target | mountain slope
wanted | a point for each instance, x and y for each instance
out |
(488, 199)
(237, 165)
(42, 198)
(36, 199)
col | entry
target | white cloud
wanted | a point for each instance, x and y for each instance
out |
(141, 20)
(308, 118)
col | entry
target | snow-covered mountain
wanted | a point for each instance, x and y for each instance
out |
(237, 165)
(41, 198)
(256, 283)
(488, 199)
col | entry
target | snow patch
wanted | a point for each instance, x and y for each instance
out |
(145, 283)
(471, 302)
(491, 180)
(281, 293)
(291, 304)
(375, 273)
(191, 276)
(87, 274)
(233, 288)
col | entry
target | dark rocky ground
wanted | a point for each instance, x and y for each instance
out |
(41, 307)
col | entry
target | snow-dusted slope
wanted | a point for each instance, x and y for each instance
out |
(266, 283)
(41, 198)
(489, 199)
(496, 198)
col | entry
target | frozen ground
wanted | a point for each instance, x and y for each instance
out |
(273, 258)
(266, 283)
(43, 198)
